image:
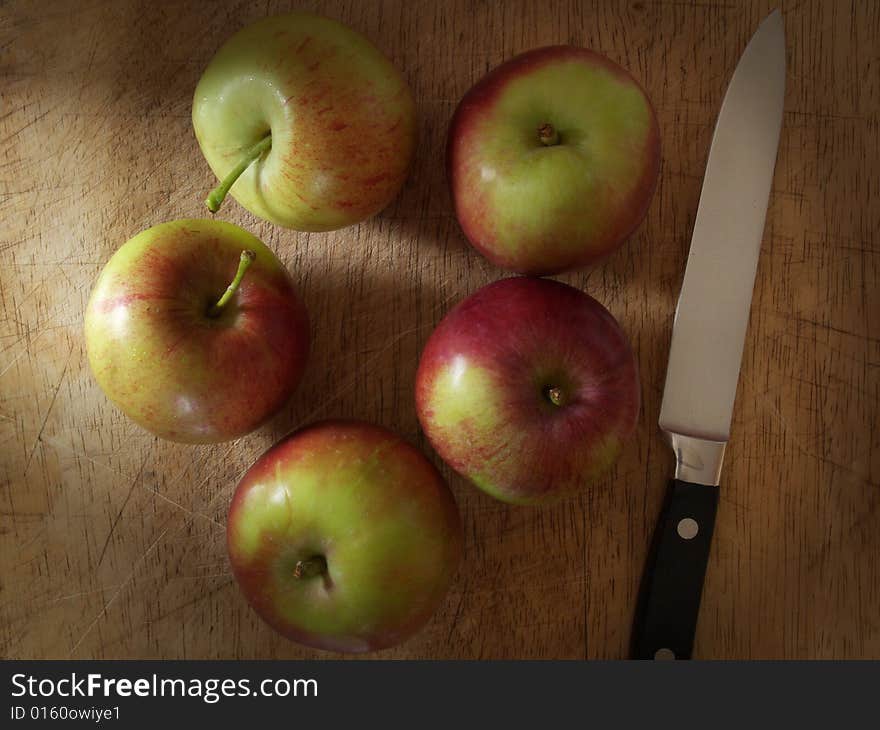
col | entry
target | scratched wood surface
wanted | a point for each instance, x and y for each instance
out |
(112, 542)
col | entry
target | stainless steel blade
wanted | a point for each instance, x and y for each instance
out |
(713, 309)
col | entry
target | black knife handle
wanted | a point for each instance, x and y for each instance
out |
(669, 600)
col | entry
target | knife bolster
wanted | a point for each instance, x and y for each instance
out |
(697, 461)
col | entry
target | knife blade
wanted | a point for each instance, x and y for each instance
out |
(708, 336)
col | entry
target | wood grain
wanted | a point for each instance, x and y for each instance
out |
(112, 542)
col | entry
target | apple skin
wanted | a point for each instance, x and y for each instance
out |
(483, 390)
(341, 116)
(373, 507)
(165, 363)
(538, 209)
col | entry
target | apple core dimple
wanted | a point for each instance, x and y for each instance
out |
(555, 395)
(310, 567)
(548, 135)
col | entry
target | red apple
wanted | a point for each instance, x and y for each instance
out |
(344, 537)
(306, 123)
(195, 331)
(529, 389)
(552, 158)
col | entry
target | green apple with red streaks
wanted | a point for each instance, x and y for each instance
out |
(195, 331)
(552, 158)
(344, 537)
(529, 389)
(305, 122)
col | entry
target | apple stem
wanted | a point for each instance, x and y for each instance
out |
(310, 567)
(216, 196)
(555, 396)
(247, 258)
(548, 135)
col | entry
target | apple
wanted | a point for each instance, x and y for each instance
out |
(552, 158)
(194, 330)
(529, 389)
(344, 537)
(305, 122)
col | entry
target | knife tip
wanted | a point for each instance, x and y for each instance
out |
(775, 17)
(772, 26)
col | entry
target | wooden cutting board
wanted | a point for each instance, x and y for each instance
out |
(112, 542)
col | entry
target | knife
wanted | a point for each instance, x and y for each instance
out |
(708, 334)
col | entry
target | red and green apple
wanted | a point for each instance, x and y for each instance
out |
(529, 389)
(305, 122)
(552, 158)
(195, 331)
(344, 537)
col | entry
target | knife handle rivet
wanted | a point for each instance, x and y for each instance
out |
(687, 528)
(661, 654)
